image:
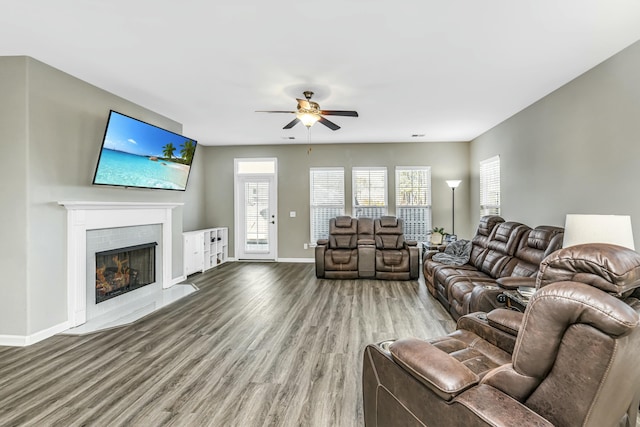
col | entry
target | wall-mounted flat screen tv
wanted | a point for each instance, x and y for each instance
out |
(138, 154)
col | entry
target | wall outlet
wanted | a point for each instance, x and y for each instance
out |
(306, 246)
(292, 214)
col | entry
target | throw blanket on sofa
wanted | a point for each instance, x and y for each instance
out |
(456, 253)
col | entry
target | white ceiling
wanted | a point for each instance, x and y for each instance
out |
(448, 69)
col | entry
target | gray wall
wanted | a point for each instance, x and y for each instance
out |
(575, 151)
(55, 123)
(13, 196)
(447, 161)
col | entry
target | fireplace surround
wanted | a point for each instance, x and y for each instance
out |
(85, 216)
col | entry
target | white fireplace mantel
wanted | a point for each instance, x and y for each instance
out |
(83, 216)
(118, 205)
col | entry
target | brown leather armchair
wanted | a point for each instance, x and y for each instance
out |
(396, 259)
(573, 363)
(337, 256)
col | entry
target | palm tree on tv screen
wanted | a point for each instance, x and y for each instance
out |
(187, 151)
(167, 150)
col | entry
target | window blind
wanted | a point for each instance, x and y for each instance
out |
(369, 192)
(413, 201)
(490, 186)
(326, 199)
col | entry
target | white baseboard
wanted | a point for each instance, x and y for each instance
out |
(300, 260)
(25, 340)
(13, 340)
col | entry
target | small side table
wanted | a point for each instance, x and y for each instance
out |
(428, 246)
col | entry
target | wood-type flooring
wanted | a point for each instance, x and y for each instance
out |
(260, 344)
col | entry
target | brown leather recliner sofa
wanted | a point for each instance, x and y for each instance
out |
(504, 255)
(367, 248)
(569, 360)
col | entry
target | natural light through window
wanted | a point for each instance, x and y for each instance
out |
(369, 192)
(413, 201)
(327, 199)
(490, 186)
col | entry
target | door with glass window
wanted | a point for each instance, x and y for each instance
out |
(255, 206)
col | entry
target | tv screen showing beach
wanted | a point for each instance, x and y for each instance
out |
(137, 154)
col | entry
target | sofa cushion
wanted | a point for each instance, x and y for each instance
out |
(389, 221)
(392, 261)
(392, 257)
(534, 247)
(344, 221)
(341, 256)
(341, 260)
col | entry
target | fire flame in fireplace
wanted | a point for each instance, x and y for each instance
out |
(120, 278)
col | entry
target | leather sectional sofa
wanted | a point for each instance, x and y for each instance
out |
(367, 248)
(504, 255)
(569, 360)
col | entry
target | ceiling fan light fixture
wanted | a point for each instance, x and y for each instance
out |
(308, 119)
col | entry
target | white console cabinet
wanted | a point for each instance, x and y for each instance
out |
(205, 249)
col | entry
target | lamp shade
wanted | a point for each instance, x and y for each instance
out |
(453, 183)
(614, 229)
(308, 119)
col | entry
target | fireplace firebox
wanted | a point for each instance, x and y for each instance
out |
(123, 270)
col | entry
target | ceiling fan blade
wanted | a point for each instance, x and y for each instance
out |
(292, 123)
(329, 124)
(339, 113)
(264, 111)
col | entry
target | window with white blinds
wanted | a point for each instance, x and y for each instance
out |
(369, 192)
(413, 201)
(490, 186)
(327, 199)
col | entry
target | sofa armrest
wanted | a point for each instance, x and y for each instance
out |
(322, 242)
(319, 254)
(414, 262)
(513, 282)
(429, 254)
(439, 371)
(411, 242)
(506, 320)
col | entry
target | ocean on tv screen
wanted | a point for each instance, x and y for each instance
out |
(132, 170)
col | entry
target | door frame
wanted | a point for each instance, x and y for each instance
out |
(237, 200)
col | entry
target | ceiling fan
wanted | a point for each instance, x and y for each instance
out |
(308, 112)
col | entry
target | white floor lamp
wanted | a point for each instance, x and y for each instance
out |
(453, 184)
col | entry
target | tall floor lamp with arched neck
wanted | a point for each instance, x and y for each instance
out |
(453, 184)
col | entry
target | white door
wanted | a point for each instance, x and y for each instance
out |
(256, 206)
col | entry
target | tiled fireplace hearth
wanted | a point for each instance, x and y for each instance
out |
(95, 227)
